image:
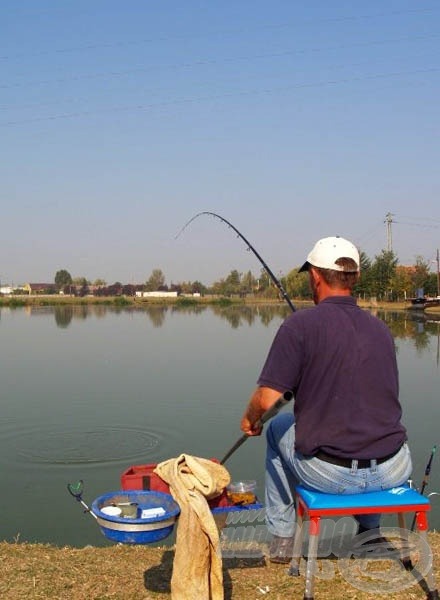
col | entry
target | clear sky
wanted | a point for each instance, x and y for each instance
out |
(119, 121)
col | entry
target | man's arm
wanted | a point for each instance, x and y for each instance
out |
(261, 400)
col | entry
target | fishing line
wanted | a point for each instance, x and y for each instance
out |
(276, 281)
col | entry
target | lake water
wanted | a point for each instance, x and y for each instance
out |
(88, 391)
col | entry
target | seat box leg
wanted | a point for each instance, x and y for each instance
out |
(429, 577)
(405, 557)
(312, 554)
(297, 546)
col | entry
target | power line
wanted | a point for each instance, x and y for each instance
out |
(216, 61)
(140, 107)
(229, 32)
(422, 226)
(417, 219)
(128, 72)
(368, 235)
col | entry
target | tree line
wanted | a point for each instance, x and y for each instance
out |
(382, 278)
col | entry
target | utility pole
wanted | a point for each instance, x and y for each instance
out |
(388, 221)
(438, 275)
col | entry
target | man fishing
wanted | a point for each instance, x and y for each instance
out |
(345, 435)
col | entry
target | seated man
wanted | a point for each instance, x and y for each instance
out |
(345, 435)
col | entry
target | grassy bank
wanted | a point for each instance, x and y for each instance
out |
(56, 300)
(433, 310)
(35, 571)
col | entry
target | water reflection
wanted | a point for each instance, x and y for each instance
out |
(235, 315)
(417, 326)
(157, 315)
(63, 315)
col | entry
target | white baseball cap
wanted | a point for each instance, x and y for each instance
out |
(327, 251)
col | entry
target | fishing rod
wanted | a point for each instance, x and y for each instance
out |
(276, 281)
(270, 412)
(425, 479)
(288, 395)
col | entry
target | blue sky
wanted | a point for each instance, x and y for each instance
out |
(119, 121)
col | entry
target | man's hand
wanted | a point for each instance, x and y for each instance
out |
(261, 400)
(248, 428)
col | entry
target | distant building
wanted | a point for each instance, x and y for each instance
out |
(156, 294)
(6, 290)
(40, 288)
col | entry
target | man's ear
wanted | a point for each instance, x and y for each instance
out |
(314, 275)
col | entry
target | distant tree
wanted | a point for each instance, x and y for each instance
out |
(401, 284)
(421, 273)
(62, 278)
(129, 290)
(382, 272)
(218, 287)
(363, 287)
(232, 283)
(198, 287)
(183, 287)
(156, 281)
(100, 282)
(297, 284)
(80, 281)
(84, 290)
(110, 290)
(431, 285)
(69, 290)
(115, 289)
(263, 281)
(188, 287)
(179, 287)
(101, 291)
(248, 283)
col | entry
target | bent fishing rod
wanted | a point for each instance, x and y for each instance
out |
(288, 395)
(276, 281)
(425, 480)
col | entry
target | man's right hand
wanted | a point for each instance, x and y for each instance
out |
(261, 400)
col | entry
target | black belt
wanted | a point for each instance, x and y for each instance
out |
(362, 463)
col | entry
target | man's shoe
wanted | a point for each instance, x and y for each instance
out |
(281, 549)
(371, 544)
(373, 536)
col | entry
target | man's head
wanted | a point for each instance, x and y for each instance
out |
(333, 265)
(328, 252)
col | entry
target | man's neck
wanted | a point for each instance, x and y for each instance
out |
(321, 289)
(328, 292)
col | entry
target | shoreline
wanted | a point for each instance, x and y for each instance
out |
(127, 301)
(124, 572)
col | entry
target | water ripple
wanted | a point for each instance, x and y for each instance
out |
(85, 446)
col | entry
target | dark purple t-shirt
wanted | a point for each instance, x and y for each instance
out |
(340, 362)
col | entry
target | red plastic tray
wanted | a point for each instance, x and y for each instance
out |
(141, 477)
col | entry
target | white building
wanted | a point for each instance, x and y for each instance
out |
(156, 294)
(6, 289)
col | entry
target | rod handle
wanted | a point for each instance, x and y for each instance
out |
(275, 408)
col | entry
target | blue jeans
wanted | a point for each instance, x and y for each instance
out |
(286, 468)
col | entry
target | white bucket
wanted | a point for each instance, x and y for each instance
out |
(111, 511)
